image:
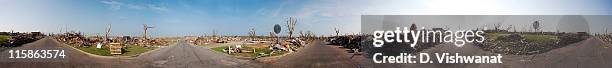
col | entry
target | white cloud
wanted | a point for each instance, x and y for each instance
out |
(272, 12)
(114, 5)
(327, 15)
(158, 8)
(134, 6)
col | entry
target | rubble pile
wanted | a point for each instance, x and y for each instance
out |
(366, 47)
(74, 39)
(207, 40)
(78, 40)
(156, 42)
(349, 41)
(606, 38)
(515, 44)
(199, 40)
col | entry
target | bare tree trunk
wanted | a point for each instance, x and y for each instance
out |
(291, 26)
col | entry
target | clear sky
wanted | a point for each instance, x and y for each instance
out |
(235, 17)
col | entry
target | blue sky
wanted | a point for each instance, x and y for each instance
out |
(235, 17)
(168, 17)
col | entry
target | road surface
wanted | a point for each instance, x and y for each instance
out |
(185, 55)
(316, 55)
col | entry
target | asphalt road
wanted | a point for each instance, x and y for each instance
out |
(185, 55)
(316, 55)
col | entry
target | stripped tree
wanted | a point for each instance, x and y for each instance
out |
(252, 33)
(337, 31)
(291, 25)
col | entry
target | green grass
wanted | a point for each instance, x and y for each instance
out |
(218, 49)
(4, 38)
(528, 37)
(104, 51)
(495, 35)
(267, 51)
(203, 45)
(540, 38)
(134, 50)
(130, 50)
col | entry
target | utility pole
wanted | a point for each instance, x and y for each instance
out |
(108, 30)
(146, 28)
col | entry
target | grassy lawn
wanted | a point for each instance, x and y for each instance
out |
(258, 51)
(267, 51)
(528, 37)
(219, 49)
(130, 50)
(134, 50)
(540, 38)
(203, 45)
(495, 35)
(104, 51)
(507, 44)
(4, 38)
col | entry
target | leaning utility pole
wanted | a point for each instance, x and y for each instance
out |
(108, 30)
(146, 28)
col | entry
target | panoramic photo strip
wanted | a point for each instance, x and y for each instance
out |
(305, 34)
